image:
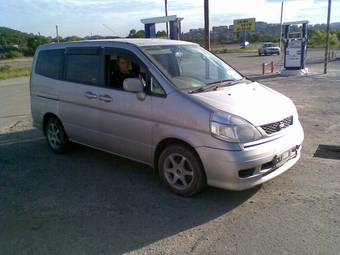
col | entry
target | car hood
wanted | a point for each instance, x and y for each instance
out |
(254, 102)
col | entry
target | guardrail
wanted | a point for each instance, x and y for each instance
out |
(331, 55)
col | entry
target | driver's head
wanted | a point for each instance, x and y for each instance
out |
(123, 64)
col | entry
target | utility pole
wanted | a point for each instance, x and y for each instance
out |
(56, 28)
(327, 36)
(166, 14)
(280, 43)
(206, 24)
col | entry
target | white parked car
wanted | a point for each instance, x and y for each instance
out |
(268, 48)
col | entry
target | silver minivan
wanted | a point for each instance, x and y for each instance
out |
(169, 104)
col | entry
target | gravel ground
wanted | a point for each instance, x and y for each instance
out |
(90, 202)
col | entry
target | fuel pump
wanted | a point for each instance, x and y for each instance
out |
(295, 47)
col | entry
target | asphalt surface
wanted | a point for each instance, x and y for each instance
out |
(90, 202)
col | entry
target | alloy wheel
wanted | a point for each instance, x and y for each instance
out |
(53, 136)
(178, 171)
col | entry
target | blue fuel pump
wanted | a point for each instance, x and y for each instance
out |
(295, 45)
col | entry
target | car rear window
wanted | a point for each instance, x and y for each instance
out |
(50, 63)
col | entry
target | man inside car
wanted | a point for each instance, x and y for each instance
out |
(123, 72)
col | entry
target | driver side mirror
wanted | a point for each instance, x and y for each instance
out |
(134, 85)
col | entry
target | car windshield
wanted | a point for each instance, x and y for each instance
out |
(190, 66)
(269, 45)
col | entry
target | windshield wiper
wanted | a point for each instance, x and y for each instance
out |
(215, 85)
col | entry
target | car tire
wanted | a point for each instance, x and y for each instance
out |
(181, 170)
(56, 136)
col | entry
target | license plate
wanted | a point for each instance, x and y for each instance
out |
(280, 159)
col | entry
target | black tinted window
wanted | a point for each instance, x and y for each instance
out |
(83, 68)
(50, 63)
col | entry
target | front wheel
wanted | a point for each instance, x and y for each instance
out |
(181, 170)
(55, 135)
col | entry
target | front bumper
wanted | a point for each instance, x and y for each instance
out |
(270, 52)
(222, 167)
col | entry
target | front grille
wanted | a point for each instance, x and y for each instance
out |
(277, 126)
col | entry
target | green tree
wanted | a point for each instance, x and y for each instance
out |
(34, 41)
(333, 40)
(13, 54)
(136, 34)
(140, 34)
(318, 39)
(132, 33)
(161, 34)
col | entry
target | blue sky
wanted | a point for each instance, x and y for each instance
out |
(83, 17)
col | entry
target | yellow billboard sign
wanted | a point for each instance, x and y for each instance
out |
(242, 25)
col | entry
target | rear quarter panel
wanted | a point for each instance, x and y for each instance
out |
(44, 95)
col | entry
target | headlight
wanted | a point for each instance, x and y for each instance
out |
(233, 129)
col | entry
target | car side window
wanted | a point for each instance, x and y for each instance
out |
(50, 63)
(156, 88)
(83, 67)
(121, 64)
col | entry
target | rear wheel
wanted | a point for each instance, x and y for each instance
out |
(55, 135)
(181, 170)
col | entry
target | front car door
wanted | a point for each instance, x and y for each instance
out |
(125, 122)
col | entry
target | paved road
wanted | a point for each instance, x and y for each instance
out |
(15, 109)
(90, 202)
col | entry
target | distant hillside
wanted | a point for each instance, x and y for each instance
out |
(14, 43)
(10, 36)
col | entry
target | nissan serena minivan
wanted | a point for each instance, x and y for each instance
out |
(169, 104)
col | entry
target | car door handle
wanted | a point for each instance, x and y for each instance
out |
(105, 98)
(90, 95)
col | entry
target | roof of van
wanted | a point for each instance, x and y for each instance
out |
(135, 41)
(148, 42)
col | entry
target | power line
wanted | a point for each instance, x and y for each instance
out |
(107, 27)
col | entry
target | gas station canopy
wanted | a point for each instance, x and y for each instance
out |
(296, 22)
(175, 26)
(161, 19)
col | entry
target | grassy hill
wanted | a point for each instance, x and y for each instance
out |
(10, 36)
(15, 44)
